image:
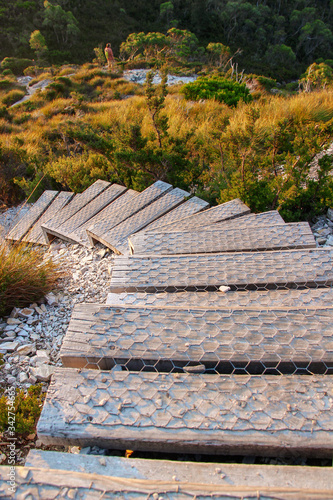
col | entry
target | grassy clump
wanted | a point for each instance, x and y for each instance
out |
(28, 407)
(24, 276)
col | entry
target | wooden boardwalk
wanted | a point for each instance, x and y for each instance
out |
(217, 339)
(278, 269)
(276, 237)
(224, 348)
(100, 230)
(35, 212)
(40, 483)
(117, 237)
(198, 413)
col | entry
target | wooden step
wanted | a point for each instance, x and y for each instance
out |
(117, 238)
(222, 340)
(226, 211)
(80, 235)
(227, 474)
(256, 270)
(83, 215)
(250, 221)
(98, 231)
(247, 299)
(78, 202)
(212, 414)
(189, 207)
(275, 237)
(35, 483)
(33, 215)
(35, 234)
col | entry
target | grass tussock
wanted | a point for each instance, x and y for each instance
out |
(24, 276)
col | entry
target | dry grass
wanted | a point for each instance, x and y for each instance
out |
(24, 276)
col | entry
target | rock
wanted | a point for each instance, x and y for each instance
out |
(329, 241)
(14, 313)
(23, 350)
(330, 214)
(26, 312)
(321, 241)
(51, 299)
(32, 380)
(43, 307)
(43, 373)
(10, 328)
(9, 346)
(10, 379)
(224, 288)
(39, 310)
(23, 377)
(13, 321)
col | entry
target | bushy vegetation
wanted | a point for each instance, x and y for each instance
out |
(28, 406)
(219, 88)
(24, 276)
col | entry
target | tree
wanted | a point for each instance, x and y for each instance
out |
(38, 44)
(220, 54)
(317, 76)
(63, 24)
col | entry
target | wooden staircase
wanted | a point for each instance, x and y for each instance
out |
(216, 339)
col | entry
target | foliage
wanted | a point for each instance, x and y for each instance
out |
(317, 76)
(24, 276)
(13, 96)
(28, 406)
(217, 87)
(15, 65)
(38, 44)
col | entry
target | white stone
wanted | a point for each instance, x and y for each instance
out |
(224, 288)
(25, 349)
(51, 299)
(329, 241)
(23, 377)
(13, 321)
(9, 346)
(330, 214)
(26, 312)
(43, 373)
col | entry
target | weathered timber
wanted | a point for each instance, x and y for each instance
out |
(85, 214)
(256, 270)
(78, 202)
(152, 193)
(116, 238)
(189, 413)
(34, 213)
(35, 234)
(34, 483)
(299, 477)
(247, 299)
(100, 336)
(189, 207)
(80, 234)
(226, 211)
(275, 237)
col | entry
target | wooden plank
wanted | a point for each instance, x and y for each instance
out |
(34, 213)
(31, 482)
(100, 336)
(251, 220)
(35, 234)
(299, 477)
(116, 238)
(189, 207)
(226, 211)
(92, 208)
(275, 237)
(247, 299)
(248, 270)
(80, 235)
(98, 231)
(78, 202)
(189, 413)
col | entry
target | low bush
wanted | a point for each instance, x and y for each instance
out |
(12, 96)
(28, 407)
(217, 87)
(24, 276)
(15, 64)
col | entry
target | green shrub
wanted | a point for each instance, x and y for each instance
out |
(218, 88)
(15, 65)
(28, 407)
(6, 84)
(13, 96)
(24, 276)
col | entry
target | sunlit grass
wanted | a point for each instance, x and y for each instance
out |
(24, 276)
